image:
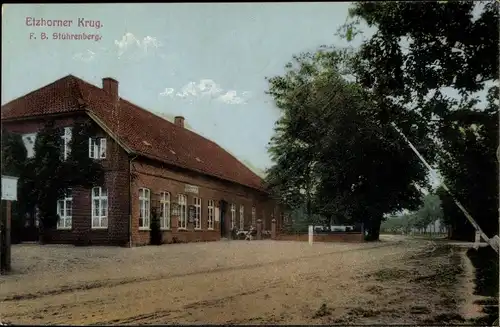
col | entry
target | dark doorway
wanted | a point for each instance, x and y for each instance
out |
(23, 226)
(222, 207)
(30, 228)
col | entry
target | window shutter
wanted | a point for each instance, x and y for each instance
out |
(102, 148)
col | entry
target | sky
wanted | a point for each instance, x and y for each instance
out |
(206, 62)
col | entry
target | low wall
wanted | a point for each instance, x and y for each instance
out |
(351, 237)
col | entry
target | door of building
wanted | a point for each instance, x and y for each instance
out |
(222, 212)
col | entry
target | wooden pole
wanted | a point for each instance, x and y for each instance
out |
(8, 224)
(6, 219)
(2, 228)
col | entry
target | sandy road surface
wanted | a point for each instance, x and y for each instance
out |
(222, 282)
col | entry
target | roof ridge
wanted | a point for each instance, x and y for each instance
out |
(145, 110)
(171, 123)
(219, 162)
(69, 76)
(197, 134)
(189, 131)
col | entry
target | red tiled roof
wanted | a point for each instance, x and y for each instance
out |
(140, 130)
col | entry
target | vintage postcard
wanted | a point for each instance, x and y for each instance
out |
(250, 163)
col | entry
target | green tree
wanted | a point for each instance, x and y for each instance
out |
(49, 185)
(56, 174)
(418, 52)
(44, 178)
(14, 164)
(410, 222)
(430, 211)
(419, 48)
(393, 224)
(80, 169)
(468, 163)
(328, 131)
(13, 154)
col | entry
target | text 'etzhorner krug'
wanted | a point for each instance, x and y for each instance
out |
(80, 22)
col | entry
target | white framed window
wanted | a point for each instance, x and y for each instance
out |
(66, 140)
(165, 210)
(211, 210)
(197, 213)
(182, 199)
(29, 143)
(242, 218)
(65, 210)
(97, 148)
(99, 208)
(254, 217)
(144, 208)
(233, 216)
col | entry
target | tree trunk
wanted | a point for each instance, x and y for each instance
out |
(373, 229)
(41, 233)
(463, 232)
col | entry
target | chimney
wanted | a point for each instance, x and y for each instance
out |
(179, 121)
(110, 85)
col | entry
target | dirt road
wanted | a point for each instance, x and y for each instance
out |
(394, 281)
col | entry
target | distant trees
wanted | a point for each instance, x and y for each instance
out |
(428, 213)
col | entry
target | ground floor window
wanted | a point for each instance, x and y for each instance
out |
(211, 211)
(233, 216)
(99, 207)
(182, 199)
(197, 213)
(65, 210)
(165, 210)
(144, 208)
(242, 217)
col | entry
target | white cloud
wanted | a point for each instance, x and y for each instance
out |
(130, 44)
(85, 56)
(207, 88)
(150, 42)
(210, 88)
(190, 89)
(231, 97)
(168, 92)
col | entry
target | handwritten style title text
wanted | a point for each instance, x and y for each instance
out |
(80, 22)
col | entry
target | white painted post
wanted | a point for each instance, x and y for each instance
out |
(311, 232)
(477, 241)
(491, 241)
(9, 193)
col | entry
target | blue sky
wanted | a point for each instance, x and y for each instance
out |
(207, 62)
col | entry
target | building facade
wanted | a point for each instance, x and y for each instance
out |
(198, 189)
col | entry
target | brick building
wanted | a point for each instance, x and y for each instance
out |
(199, 189)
